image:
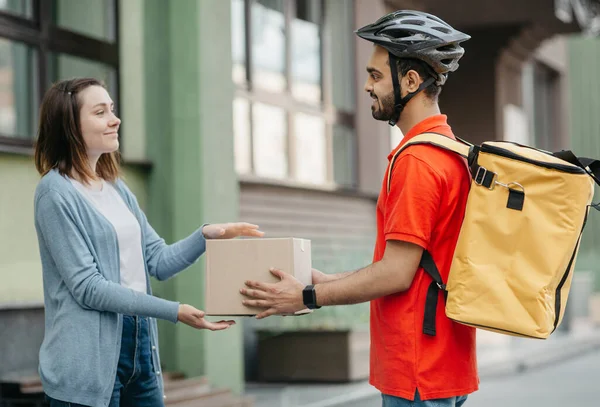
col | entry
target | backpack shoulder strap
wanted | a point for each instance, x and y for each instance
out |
(590, 165)
(458, 146)
(461, 148)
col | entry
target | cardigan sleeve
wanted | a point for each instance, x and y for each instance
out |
(164, 261)
(64, 237)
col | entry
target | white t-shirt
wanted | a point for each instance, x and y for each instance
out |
(129, 235)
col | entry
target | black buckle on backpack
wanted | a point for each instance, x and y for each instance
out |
(485, 178)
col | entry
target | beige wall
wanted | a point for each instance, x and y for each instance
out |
(19, 258)
(20, 268)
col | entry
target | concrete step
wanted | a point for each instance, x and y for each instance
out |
(197, 392)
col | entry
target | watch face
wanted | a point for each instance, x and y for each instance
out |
(308, 296)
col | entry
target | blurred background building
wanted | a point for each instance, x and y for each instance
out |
(255, 110)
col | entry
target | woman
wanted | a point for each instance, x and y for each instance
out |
(98, 251)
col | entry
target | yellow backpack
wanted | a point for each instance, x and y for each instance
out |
(512, 266)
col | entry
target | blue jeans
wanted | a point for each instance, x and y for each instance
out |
(136, 384)
(391, 401)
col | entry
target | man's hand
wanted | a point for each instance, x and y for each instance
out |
(231, 230)
(284, 297)
(195, 318)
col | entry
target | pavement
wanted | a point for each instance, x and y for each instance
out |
(498, 356)
(569, 382)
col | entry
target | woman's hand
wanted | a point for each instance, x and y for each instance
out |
(195, 318)
(231, 230)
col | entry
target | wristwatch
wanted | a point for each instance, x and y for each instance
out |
(309, 296)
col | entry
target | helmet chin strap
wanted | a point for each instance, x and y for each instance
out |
(400, 102)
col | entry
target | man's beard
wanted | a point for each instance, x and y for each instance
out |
(385, 110)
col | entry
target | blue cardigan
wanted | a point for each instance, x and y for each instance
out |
(83, 298)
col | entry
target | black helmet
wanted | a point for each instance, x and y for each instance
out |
(419, 35)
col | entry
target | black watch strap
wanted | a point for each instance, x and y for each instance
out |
(309, 297)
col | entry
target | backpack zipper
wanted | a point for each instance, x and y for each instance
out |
(563, 280)
(486, 148)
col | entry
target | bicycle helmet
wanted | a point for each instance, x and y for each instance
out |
(418, 35)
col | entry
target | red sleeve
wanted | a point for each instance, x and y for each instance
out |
(413, 201)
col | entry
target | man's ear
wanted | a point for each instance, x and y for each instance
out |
(413, 80)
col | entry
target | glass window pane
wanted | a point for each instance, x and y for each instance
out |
(340, 26)
(94, 18)
(269, 130)
(21, 8)
(344, 156)
(238, 41)
(241, 131)
(310, 148)
(268, 45)
(63, 66)
(18, 90)
(306, 51)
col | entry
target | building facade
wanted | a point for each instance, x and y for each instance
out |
(254, 110)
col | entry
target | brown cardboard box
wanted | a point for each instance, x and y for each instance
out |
(230, 262)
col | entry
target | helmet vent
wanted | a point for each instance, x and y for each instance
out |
(397, 34)
(436, 19)
(447, 48)
(442, 29)
(413, 22)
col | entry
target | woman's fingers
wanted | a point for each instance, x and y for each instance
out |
(248, 229)
(255, 233)
(216, 326)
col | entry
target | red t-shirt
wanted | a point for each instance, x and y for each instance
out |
(425, 206)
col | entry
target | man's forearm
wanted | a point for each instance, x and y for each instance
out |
(337, 276)
(366, 284)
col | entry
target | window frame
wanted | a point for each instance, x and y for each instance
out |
(291, 106)
(40, 33)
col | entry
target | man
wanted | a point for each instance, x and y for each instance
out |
(422, 213)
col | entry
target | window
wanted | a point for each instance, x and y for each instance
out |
(294, 105)
(270, 145)
(18, 97)
(43, 41)
(21, 8)
(67, 66)
(268, 44)
(92, 18)
(306, 51)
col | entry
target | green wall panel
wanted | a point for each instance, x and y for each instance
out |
(584, 58)
(189, 138)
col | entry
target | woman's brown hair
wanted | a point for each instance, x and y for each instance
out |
(59, 141)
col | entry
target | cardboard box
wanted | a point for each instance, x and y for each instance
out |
(231, 262)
